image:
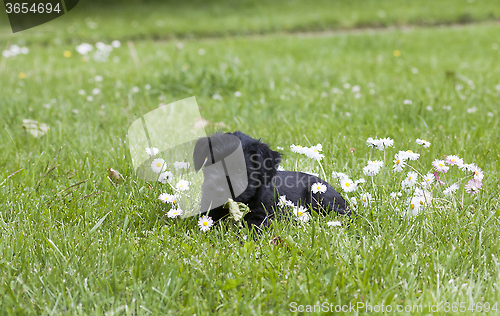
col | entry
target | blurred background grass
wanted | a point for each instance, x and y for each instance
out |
(98, 20)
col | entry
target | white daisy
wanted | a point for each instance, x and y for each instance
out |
(168, 198)
(318, 187)
(354, 202)
(380, 144)
(408, 155)
(428, 180)
(173, 213)
(440, 166)
(373, 167)
(366, 199)
(152, 151)
(399, 163)
(348, 185)
(450, 190)
(454, 160)
(334, 224)
(301, 213)
(410, 181)
(478, 173)
(416, 204)
(313, 153)
(158, 165)
(423, 142)
(181, 165)
(318, 147)
(182, 185)
(165, 177)
(297, 149)
(205, 222)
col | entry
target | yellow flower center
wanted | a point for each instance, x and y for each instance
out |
(397, 162)
(315, 150)
(427, 180)
(412, 206)
(205, 223)
(158, 164)
(409, 178)
(421, 202)
(409, 151)
(300, 213)
(299, 146)
(347, 184)
(441, 165)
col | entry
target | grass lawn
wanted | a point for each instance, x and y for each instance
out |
(72, 242)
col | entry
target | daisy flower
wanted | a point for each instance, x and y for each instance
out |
(318, 147)
(301, 213)
(408, 155)
(152, 151)
(158, 165)
(168, 198)
(297, 149)
(416, 204)
(409, 181)
(313, 153)
(399, 163)
(380, 144)
(366, 199)
(478, 173)
(334, 224)
(318, 187)
(423, 142)
(165, 177)
(373, 167)
(284, 202)
(182, 185)
(440, 166)
(373, 142)
(450, 190)
(428, 180)
(347, 185)
(454, 160)
(181, 165)
(468, 167)
(386, 142)
(173, 213)
(205, 222)
(473, 186)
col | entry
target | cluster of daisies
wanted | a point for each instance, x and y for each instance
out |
(160, 167)
(420, 187)
(101, 53)
(300, 212)
(15, 50)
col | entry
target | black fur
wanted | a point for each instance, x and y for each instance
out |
(265, 183)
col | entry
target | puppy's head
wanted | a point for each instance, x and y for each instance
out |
(257, 165)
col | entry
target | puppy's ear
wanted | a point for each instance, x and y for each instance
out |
(201, 153)
(268, 161)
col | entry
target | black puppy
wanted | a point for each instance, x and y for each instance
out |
(262, 184)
